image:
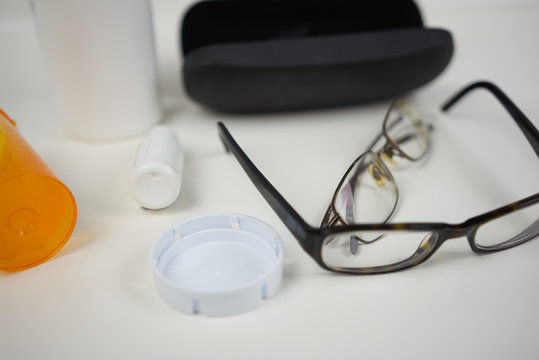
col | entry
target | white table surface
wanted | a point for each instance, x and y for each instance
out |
(96, 298)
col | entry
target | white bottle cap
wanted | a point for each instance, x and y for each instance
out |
(155, 179)
(218, 264)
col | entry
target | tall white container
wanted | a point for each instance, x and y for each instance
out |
(101, 58)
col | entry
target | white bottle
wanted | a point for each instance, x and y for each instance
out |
(155, 179)
(102, 64)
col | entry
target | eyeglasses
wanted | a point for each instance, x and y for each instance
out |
(368, 192)
(391, 247)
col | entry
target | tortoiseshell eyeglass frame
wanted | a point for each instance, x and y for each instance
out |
(312, 239)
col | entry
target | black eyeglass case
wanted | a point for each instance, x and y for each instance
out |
(264, 55)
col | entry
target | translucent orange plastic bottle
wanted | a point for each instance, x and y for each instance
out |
(37, 211)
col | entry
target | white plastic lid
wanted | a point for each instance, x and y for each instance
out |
(218, 264)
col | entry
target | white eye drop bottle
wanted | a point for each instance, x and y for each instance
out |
(155, 180)
(101, 59)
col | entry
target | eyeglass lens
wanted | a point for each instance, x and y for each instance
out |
(349, 251)
(368, 192)
(406, 131)
(511, 229)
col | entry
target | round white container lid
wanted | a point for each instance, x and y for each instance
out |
(218, 264)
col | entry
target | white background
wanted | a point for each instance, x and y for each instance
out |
(96, 297)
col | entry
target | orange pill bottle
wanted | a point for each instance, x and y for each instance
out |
(37, 212)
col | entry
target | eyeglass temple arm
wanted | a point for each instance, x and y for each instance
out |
(286, 213)
(525, 125)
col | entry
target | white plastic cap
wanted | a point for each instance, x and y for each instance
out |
(155, 180)
(218, 264)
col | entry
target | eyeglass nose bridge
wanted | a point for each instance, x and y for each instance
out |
(459, 231)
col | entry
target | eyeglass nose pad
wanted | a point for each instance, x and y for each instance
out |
(377, 175)
(328, 240)
(389, 159)
(354, 245)
(427, 245)
(379, 172)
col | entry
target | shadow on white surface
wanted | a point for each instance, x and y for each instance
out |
(82, 236)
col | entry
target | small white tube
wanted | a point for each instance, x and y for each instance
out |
(155, 179)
